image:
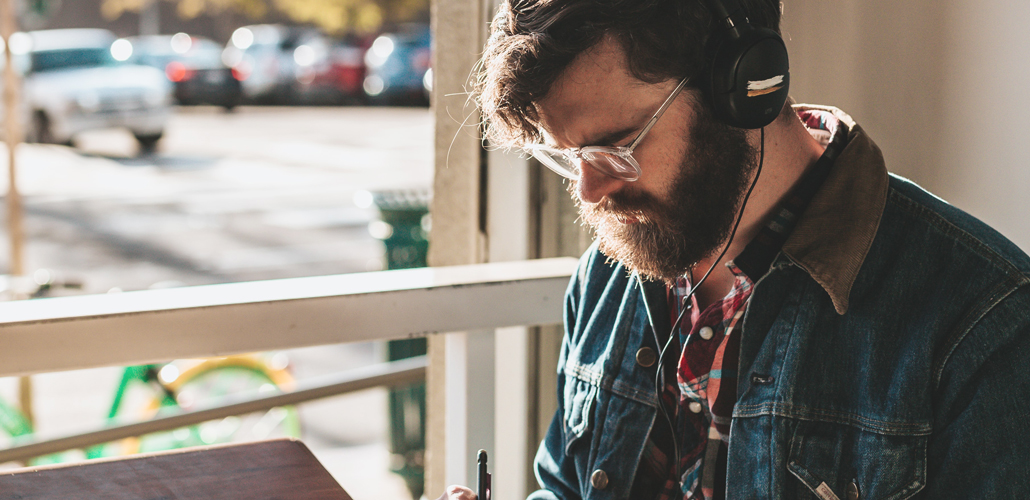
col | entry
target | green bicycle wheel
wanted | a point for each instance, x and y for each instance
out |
(208, 388)
(205, 385)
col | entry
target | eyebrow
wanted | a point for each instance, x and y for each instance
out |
(611, 137)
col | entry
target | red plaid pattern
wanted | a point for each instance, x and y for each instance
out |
(706, 379)
(706, 374)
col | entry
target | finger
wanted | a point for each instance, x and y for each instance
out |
(456, 492)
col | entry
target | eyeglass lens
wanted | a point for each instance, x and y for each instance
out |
(559, 163)
(608, 164)
(611, 164)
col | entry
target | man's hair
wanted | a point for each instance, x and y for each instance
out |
(533, 41)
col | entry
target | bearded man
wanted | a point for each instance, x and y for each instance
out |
(766, 312)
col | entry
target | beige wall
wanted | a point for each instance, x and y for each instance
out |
(940, 85)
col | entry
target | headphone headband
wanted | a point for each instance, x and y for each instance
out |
(721, 13)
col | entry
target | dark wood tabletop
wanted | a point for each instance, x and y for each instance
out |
(266, 470)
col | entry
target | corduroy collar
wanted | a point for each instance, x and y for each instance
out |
(833, 236)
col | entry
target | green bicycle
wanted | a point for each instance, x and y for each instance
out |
(149, 391)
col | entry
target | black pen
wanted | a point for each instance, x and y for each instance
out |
(482, 478)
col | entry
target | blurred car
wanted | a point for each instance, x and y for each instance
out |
(76, 80)
(263, 57)
(193, 65)
(397, 66)
(330, 71)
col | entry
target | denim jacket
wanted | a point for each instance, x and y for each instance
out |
(884, 355)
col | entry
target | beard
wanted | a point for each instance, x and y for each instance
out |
(690, 222)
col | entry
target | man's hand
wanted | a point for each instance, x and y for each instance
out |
(455, 492)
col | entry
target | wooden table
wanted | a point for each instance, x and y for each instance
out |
(265, 470)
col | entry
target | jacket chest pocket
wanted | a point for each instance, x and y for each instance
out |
(840, 462)
(579, 399)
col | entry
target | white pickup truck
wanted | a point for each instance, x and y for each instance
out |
(75, 81)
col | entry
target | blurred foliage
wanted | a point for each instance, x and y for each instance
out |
(112, 9)
(334, 16)
(188, 9)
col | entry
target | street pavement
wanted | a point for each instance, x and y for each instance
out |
(259, 193)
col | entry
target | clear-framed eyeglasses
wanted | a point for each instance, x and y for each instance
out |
(613, 161)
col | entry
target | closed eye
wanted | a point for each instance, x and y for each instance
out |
(625, 135)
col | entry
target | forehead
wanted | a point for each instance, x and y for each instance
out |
(597, 96)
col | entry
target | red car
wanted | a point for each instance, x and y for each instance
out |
(331, 72)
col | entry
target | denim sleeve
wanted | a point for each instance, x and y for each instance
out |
(980, 447)
(555, 472)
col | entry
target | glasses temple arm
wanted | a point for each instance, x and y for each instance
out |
(658, 114)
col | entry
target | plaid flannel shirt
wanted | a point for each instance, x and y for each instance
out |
(703, 391)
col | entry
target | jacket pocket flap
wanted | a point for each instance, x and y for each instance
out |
(819, 488)
(828, 457)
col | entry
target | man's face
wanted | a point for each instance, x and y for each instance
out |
(694, 169)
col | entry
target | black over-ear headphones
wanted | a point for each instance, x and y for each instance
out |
(750, 73)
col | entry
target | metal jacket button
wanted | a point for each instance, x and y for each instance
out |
(646, 357)
(694, 407)
(852, 491)
(706, 332)
(599, 479)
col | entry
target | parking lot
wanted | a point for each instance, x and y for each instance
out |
(255, 194)
(258, 193)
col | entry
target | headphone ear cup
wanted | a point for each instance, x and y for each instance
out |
(750, 78)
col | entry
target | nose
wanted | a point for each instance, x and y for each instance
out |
(593, 185)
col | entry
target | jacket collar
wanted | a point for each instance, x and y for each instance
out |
(833, 236)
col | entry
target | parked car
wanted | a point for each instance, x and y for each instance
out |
(348, 69)
(397, 65)
(76, 80)
(263, 57)
(194, 66)
(330, 71)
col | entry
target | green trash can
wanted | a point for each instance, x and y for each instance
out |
(404, 229)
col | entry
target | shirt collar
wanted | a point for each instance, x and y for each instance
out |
(833, 236)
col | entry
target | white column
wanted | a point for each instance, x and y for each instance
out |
(470, 403)
(509, 227)
(457, 237)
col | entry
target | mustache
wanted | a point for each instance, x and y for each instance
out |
(639, 205)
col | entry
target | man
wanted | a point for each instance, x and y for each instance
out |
(767, 313)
